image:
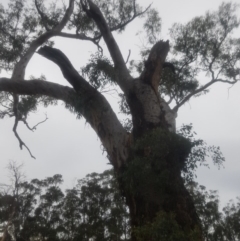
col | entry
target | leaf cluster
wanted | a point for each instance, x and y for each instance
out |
(99, 71)
(20, 25)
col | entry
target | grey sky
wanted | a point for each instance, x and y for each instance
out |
(69, 147)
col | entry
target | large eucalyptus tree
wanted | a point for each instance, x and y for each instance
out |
(148, 156)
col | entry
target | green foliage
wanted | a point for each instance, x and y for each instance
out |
(216, 225)
(154, 159)
(164, 228)
(20, 24)
(200, 153)
(116, 13)
(92, 209)
(203, 45)
(95, 208)
(152, 26)
(27, 104)
(99, 71)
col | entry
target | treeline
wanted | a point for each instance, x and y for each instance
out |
(93, 210)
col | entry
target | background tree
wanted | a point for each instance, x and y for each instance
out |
(149, 157)
(94, 210)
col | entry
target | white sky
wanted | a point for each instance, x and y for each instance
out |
(69, 147)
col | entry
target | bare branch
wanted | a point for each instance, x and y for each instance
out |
(170, 100)
(39, 123)
(129, 53)
(204, 87)
(15, 109)
(80, 37)
(24, 120)
(36, 87)
(69, 72)
(20, 67)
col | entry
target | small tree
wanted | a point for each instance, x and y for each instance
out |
(148, 156)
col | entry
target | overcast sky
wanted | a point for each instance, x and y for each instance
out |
(69, 146)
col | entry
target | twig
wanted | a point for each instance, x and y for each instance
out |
(129, 53)
(21, 143)
(39, 123)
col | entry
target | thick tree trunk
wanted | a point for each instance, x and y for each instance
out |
(160, 206)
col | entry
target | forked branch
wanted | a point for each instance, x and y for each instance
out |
(201, 89)
(93, 11)
(20, 67)
(17, 119)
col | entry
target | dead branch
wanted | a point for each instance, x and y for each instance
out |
(35, 126)
(17, 118)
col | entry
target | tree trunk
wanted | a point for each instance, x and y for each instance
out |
(160, 206)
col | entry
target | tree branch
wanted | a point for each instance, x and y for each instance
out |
(17, 119)
(204, 87)
(94, 12)
(69, 72)
(80, 37)
(42, 15)
(90, 103)
(135, 15)
(24, 120)
(20, 67)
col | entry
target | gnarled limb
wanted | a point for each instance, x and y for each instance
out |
(17, 119)
(95, 107)
(20, 67)
(90, 103)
